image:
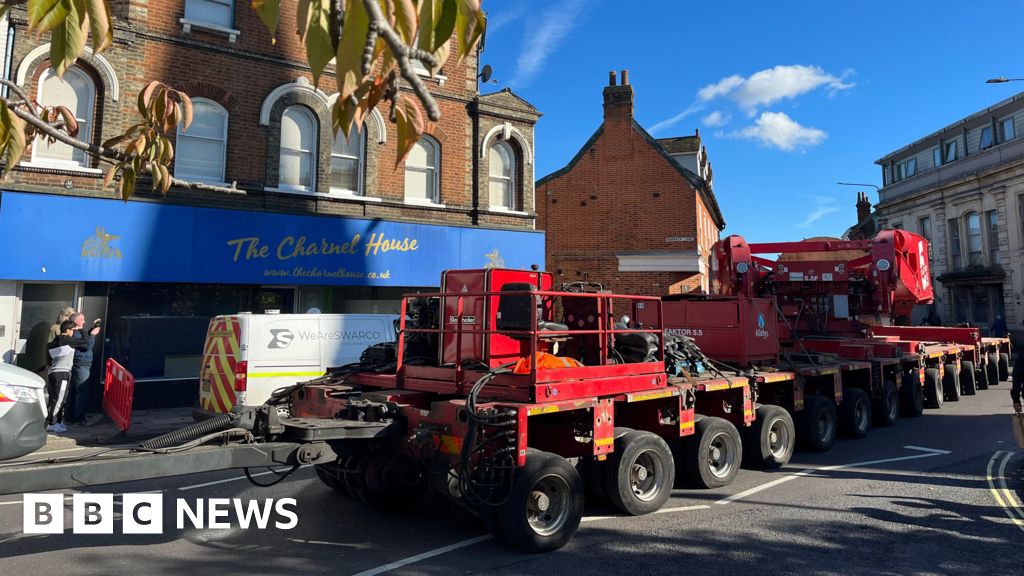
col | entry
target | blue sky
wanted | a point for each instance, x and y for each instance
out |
(790, 97)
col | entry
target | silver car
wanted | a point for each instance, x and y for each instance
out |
(22, 412)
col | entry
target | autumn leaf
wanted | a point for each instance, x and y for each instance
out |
(405, 20)
(269, 11)
(410, 126)
(127, 183)
(12, 137)
(67, 39)
(101, 25)
(445, 23)
(319, 46)
(70, 122)
(350, 49)
(469, 26)
(45, 15)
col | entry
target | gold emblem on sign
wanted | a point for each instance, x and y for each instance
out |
(98, 245)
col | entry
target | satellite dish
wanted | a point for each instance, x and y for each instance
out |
(485, 73)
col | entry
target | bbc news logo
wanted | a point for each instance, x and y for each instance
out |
(143, 513)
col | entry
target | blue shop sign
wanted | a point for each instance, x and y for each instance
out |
(87, 239)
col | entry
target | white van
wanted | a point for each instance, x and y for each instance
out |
(248, 356)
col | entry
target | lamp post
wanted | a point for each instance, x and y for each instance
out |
(856, 184)
(1002, 80)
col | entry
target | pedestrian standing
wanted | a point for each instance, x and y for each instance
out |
(66, 313)
(998, 329)
(61, 358)
(1018, 381)
(83, 343)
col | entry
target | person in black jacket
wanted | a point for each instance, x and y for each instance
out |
(83, 344)
(1018, 381)
(60, 359)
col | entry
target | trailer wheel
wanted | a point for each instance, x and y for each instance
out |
(981, 375)
(711, 458)
(817, 424)
(933, 396)
(855, 413)
(951, 383)
(912, 403)
(968, 384)
(771, 439)
(1004, 366)
(545, 505)
(992, 369)
(389, 482)
(886, 409)
(639, 475)
(328, 474)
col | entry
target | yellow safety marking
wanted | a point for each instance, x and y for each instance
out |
(685, 425)
(713, 387)
(543, 410)
(451, 444)
(748, 412)
(604, 441)
(283, 374)
(1002, 494)
(652, 395)
(776, 378)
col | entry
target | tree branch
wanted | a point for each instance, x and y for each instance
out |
(403, 55)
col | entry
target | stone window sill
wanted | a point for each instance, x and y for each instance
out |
(187, 25)
(63, 168)
(351, 197)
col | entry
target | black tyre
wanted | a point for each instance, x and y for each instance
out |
(981, 376)
(886, 410)
(817, 424)
(992, 369)
(639, 475)
(951, 382)
(594, 471)
(1004, 367)
(932, 388)
(329, 475)
(545, 504)
(912, 401)
(769, 442)
(855, 413)
(389, 482)
(712, 457)
(968, 384)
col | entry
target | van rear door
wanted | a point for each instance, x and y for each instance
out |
(222, 364)
(284, 349)
(348, 335)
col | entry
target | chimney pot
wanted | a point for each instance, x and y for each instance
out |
(611, 78)
(625, 77)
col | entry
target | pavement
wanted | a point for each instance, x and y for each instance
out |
(938, 494)
(101, 430)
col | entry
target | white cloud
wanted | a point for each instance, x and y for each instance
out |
(774, 84)
(824, 205)
(498, 20)
(670, 122)
(777, 130)
(716, 118)
(544, 37)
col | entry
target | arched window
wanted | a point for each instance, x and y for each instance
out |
(298, 150)
(347, 162)
(502, 176)
(77, 93)
(974, 251)
(421, 172)
(200, 150)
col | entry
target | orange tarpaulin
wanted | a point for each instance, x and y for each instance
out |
(545, 361)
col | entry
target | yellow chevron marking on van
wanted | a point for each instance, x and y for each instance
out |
(283, 374)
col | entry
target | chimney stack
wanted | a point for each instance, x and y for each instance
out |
(863, 206)
(618, 100)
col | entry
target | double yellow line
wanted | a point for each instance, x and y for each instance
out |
(1003, 495)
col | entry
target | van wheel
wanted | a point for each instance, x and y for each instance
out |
(967, 383)
(951, 382)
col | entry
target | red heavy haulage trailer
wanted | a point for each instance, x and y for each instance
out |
(491, 402)
(815, 329)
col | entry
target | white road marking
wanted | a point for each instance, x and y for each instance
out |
(323, 543)
(424, 556)
(1006, 499)
(928, 453)
(682, 509)
(68, 497)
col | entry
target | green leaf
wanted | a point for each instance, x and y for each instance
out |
(269, 11)
(405, 20)
(319, 45)
(445, 25)
(469, 26)
(349, 69)
(45, 15)
(425, 31)
(67, 40)
(410, 126)
(302, 19)
(127, 183)
(12, 137)
(101, 25)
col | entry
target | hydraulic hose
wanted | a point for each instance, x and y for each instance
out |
(190, 432)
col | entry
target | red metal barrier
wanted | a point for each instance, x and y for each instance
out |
(118, 392)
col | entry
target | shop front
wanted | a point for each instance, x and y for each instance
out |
(156, 273)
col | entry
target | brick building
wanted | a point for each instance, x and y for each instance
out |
(317, 221)
(634, 213)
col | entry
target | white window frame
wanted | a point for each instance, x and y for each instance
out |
(89, 127)
(360, 165)
(434, 171)
(511, 179)
(184, 175)
(980, 236)
(187, 23)
(948, 147)
(937, 156)
(314, 124)
(1001, 123)
(991, 138)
